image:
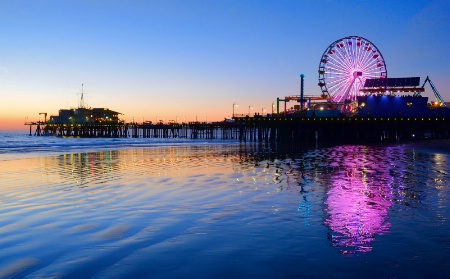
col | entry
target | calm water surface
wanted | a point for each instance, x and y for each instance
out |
(226, 210)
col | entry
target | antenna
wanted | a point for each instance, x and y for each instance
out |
(82, 96)
(82, 103)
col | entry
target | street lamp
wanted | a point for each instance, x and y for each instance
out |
(234, 105)
(273, 106)
(249, 108)
(262, 111)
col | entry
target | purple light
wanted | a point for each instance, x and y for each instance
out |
(357, 208)
(350, 65)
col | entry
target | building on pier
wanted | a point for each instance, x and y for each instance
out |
(81, 122)
(399, 97)
(398, 106)
(83, 115)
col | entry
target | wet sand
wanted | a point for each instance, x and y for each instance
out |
(227, 211)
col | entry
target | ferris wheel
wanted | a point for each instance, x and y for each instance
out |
(346, 64)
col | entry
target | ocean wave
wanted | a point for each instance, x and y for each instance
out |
(23, 146)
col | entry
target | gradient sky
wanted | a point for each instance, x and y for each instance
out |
(188, 59)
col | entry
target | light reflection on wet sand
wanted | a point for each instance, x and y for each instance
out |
(219, 211)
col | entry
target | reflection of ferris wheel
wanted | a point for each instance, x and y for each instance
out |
(346, 64)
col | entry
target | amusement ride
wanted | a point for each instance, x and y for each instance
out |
(345, 66)
(349, 68)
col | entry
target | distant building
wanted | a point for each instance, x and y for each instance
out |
(85, 115)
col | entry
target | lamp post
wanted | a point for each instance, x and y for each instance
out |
(249, 108)
(302, 95)
(234, 105)
(262, 111)
(273, 106)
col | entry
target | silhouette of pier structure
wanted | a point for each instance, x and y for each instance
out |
(265, 129)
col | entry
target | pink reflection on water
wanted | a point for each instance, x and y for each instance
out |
(357, 204)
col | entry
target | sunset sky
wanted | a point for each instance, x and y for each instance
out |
(189, 59)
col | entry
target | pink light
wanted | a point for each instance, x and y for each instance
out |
(357, 208)
(339, 78)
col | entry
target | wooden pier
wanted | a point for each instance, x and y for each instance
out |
(265, 129)
(342, 129)
(193, 130)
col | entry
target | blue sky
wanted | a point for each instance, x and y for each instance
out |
(191, 59)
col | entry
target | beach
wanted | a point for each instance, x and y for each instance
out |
(219, 210)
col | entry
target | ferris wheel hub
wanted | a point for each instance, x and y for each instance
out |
(357, 74)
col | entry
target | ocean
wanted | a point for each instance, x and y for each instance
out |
(172, 208)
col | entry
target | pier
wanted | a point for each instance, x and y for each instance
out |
(193, 130)
(265, 129)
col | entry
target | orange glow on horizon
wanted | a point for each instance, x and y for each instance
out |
(13, 124)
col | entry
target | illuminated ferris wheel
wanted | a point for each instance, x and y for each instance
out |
(346, 64)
